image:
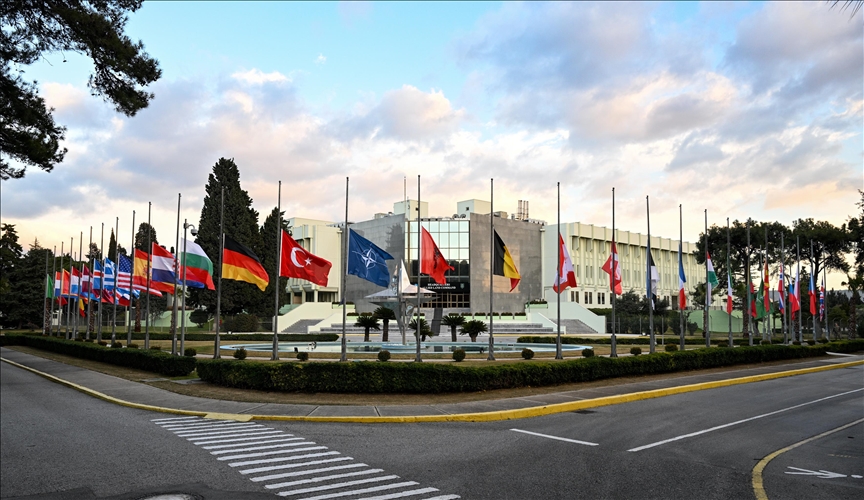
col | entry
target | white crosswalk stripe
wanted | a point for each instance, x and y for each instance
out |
(291, 466)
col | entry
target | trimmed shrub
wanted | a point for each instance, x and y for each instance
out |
(723, 344)
(588, 353)
(116, 345)
(251, 337)
(765, 342)
(527, 354)
(458, 355)
(302, 356)
(190, 352)
(635, 351)
(383, 355)
(102, 343)
(240, 353)
(156, 347)
(242, 323)
(200, 317)
(133, 345)
(147, 360)
(795, 342)
(671, 348)
(811, 342)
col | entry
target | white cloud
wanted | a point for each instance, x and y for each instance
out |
(257, 77)
(321, 59)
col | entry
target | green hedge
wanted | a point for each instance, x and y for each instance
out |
(715, 338)
(374, 377)
(250, 337)
(148, 360)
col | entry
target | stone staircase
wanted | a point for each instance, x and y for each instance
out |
(302, 326)
(501, 328)
(576, 327)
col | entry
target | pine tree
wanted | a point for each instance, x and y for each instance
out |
(112, 247)
(24, 304)
(10, 253)
(267, 253)
(241, 223)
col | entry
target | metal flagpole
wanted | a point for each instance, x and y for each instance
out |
(131, 273)
(729, 281)
(345, 235)
(827, 323)
(706, 316)
(174, 309)
(80, 283)
(149, 272)
(216, 353)
(614, 340)
(403, 307)
(101, 284)
(114, 293)
(800, 335)
(69, 301)
(89, 282)
(815, 280)
(275, 355)
(418, 357)
(45, 316)
(558, 354)
(784, 323)
(491, 356)
(60, 297)
(53, 297)
(681, 311)
(751, 326)
(768, 327)
(186, 225)
(648, 291)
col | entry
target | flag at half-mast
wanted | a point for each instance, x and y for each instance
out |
(766, 290)
(366, 260)
(682, 295)
(711, 280)
(298, 263)
(614, 275)
(432, 261)
(199, 267)
(795, 296)
(49, 287)
(812, 293)
(652, 278)
(502, 262)
(162, 272)
(781, 280)
(139, 274)
(729, 296)
(753, 299)
(240, 263)
(822, 299)
(566, 278)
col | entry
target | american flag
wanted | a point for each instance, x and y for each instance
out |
(124, 273)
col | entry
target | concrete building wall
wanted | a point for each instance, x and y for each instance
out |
(321, 238)
(387, 233)
(523, 240)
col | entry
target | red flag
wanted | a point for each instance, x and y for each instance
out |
(752, 300)
(432, 261)
(614, 277)
(567, 277)
(298, 263)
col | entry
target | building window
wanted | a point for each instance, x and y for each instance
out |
(601, 298)
(574, 296)
(588, 298)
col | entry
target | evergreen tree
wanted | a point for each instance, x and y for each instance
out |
(241, 223)
(25, 303)
(112, 247)
(267, 253)
(141, 237)
(10, 253)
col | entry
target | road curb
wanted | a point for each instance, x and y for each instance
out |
(491, 416)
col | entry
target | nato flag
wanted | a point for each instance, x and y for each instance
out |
(366, 261)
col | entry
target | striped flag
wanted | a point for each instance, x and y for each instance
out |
(729, 296)
(812, 293)
(780, 302)
(711, 279)
(124, 273)
(139, 274)
(199, 267)
(682, 295)
(822, 299)
(162, 268)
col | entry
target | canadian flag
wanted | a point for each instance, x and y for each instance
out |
(298, 263)
(566, 278)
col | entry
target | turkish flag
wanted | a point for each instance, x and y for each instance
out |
(298, 263)
(432, 262)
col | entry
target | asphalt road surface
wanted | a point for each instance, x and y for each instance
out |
(57, 443)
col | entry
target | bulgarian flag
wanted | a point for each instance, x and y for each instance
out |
(199, 267)
(711, 279)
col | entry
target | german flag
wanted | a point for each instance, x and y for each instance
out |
(502, 263)
(241, 264)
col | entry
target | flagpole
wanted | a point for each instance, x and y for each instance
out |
(101, 284)
(681, 310)
(131, 273)
(747, 311)
(649, 292)
(89, 283)
(183, 292)
(491, 356)
(149, 258)
(798, 287)
(174, 309)
(53, 298)
(114, 293)
(558, 354)
(768, 327)
(45, 319)
(729, 280)
(275, 355)
(783, 321)
(418, 357)
(706, 316)
(58, 298)
(813, 291)
(69, 302)
(403, 307)
(827, 323)
(80, 283)
(216, 353)
(344, 348)
(614, 341)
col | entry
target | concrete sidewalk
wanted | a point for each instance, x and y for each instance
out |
(141, 393)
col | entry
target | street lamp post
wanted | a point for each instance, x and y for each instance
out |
(194, 231)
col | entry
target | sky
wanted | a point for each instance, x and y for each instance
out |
(741, 109)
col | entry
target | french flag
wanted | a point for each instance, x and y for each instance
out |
(162, 266)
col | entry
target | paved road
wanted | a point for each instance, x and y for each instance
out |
(696, 445)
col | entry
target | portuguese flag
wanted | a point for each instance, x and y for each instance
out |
(241, 264)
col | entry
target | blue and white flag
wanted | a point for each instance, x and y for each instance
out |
(367, 261)
(108, 275)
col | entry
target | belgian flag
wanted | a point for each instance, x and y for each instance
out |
(502, 263)
(241, 264)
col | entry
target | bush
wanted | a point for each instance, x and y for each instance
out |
(671, 348)
(635, 351)
(102, 343)
(242, 323)
(147, 360)
(795, 342)
(200, 317)
(527, 354)
(823, 341)
(116, 345)
(723, 344)
(133, 345)
(190, 352)
(811, 342)
(302, 356)
(458, 355)
(588, 353)
(156, 347)
(383, 355)
(240, 353)
(765, 342)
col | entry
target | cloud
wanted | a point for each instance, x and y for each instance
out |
(257, 77)
(321, 59)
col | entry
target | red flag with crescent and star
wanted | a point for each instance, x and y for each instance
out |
(298, 263)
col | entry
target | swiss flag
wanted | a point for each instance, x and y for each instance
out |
(432, 262)
(298, 263)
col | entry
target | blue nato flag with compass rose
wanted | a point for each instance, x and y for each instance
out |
(367, 261)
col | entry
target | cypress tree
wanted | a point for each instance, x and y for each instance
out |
(112, 247)
(267, 253)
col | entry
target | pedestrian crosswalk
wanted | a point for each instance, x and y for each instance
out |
(291, 466)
